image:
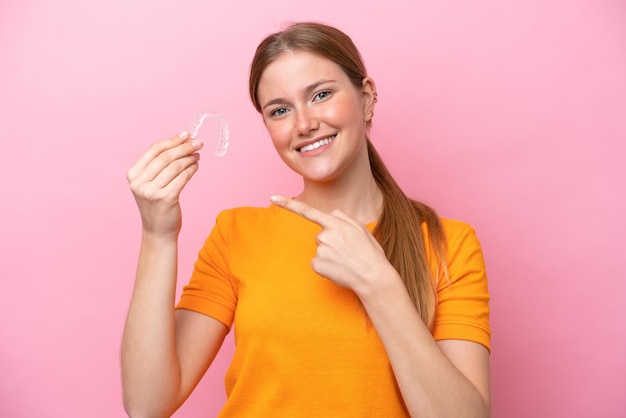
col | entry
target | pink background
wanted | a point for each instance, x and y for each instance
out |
(508, 115)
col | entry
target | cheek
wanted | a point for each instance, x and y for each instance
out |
(279, 134)
(345, 112)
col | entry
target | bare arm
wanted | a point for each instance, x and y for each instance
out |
(445, 379)
(164, 353)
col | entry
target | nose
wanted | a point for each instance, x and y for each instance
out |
(306, 121)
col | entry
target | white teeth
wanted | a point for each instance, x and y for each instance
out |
(317, 144)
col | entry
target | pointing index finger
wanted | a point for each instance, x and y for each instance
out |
(302, 209)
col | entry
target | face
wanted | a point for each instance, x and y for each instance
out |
(315, 116)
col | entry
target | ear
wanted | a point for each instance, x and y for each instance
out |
(368, 92)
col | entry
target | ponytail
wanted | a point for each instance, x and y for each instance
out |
(399, 231)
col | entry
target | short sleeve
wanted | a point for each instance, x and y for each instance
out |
(463, 300)
(210, 290)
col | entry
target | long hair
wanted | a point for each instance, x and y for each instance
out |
(399, 228)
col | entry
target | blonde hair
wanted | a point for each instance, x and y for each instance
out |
(399, 228)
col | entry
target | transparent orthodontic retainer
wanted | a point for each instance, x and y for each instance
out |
(223, 130)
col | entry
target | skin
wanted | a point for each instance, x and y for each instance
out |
(304, 98)
(164, 353)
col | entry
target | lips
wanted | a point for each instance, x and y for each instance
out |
(317, 144)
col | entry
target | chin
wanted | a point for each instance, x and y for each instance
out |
(326, 176)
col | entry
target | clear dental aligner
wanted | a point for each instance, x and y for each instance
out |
(223, 130)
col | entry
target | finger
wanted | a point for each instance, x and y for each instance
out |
(176, 185)
(302, 209)
(174, 169)
(168, 158)
(339, 214)
(168, 189)
(156, 149)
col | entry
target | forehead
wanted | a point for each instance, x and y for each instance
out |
(295, 70)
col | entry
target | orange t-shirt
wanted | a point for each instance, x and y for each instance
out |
(304, 346)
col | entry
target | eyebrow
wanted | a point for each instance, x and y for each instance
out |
(307, 90)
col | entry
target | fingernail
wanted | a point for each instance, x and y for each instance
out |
(183, 134)
(274, 198)
(196, 143)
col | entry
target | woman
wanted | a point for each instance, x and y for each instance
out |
(348, 300)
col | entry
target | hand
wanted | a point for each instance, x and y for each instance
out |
(157, 179)
(347, 253)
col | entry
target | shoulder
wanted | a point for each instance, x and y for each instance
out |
(250, 230)
(240, 224)
(458, 234)
(243, 213)
(455, 232)
(455, 227)
(268, 217)
(258, 221)
(246, 215)
(463, 250)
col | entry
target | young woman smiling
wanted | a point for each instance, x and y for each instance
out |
(349, 299)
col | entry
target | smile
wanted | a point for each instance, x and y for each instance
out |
(317, 144)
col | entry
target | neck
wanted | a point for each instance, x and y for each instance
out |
(359, 197)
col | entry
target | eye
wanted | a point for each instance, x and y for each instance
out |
(321, 95)
(278, 112)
